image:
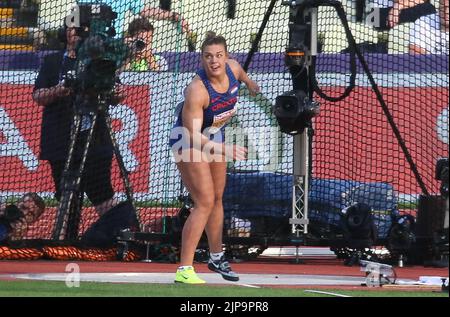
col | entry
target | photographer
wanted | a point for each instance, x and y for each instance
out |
(15, 218)
(140, 38)
(53, 93)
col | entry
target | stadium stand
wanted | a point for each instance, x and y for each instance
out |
(51, 14)
(18, 25)
(272, 39)
(336, 41)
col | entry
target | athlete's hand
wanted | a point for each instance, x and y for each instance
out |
(253, 88)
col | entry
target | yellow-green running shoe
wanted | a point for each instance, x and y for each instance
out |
(188, 276)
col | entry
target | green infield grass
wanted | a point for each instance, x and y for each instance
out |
(91, 289)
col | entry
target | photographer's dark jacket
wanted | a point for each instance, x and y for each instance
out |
(58, 116)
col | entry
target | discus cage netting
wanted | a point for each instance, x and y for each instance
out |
(356, 156)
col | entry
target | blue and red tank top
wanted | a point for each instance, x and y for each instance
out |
(221, 106)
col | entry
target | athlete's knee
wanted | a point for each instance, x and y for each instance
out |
(218, 200)
(205, 203)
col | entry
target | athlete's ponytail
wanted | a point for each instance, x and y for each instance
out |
(211, 38)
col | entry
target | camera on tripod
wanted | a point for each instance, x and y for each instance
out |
(92, 77)
(99, 53)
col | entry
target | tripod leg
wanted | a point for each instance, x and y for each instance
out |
(74, 218)
(70, 182)
(59, 231)
(123, 171)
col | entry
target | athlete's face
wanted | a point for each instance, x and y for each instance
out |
(214, 58)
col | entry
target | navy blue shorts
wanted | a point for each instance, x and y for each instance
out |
(185, 141)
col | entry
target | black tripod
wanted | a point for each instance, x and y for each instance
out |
(89, 107)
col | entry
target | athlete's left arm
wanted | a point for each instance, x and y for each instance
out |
(242, 76)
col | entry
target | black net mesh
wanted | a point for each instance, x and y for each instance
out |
(361, 152)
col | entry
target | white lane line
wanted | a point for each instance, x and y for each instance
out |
(326, 293)
(248, 285)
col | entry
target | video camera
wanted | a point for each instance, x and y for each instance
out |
(294, 111)
(99, 53)
(12, 213)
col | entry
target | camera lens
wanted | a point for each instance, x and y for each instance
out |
(288, 106)
(139, 44)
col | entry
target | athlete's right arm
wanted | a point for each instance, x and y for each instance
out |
(196, 98)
